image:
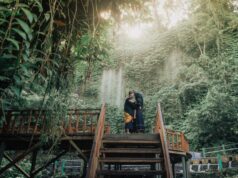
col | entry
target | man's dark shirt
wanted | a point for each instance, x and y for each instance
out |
(139, 100)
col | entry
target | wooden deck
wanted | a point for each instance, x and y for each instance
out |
(87, 133)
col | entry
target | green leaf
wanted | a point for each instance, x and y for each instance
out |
(30, 36)
(19, 32)
(24, 26)
(28, 14)
(25, 57)
(47, 16)
(17, 79)
(24, 68)
(16, 91)
(23, 5)
(2, 32)
(39, 5)
(4, 9)
(8, 56)
(14, 42)
(35, 17)
(3, 78)
(3, 21)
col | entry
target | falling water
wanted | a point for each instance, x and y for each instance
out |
(112, 87)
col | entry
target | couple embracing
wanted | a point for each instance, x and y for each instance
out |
(133, 117)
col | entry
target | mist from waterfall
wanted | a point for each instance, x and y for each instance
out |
(112, 88)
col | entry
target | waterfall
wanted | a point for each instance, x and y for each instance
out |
(112, 87)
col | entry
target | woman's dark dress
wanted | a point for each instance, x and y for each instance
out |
(129, 107)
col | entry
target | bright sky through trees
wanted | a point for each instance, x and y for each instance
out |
(158, 11)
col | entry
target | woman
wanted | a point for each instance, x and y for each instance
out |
(129, 112)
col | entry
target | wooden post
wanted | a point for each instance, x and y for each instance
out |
(29, 122)
(188, 168)
(33, 163)
(184, 167)
(77, 121)
(84, 122)
(2, 148)
(174, 171)
(185, 164)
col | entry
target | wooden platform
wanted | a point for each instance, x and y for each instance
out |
(88, 134)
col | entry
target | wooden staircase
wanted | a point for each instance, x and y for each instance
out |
(85, 130)
(132, 155)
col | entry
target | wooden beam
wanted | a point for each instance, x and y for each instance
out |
(48, 163)
(81, 154)
(19, 158)
(17, 166)
(33, 162)
(2, 149)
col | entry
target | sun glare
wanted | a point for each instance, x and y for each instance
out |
(158, 13)
(170, 17)
(105, 15)
(135, 31)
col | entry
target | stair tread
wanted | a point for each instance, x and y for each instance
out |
(132, 141)
(130, 150)
(148, 137)
(130, 172)
(130, 160)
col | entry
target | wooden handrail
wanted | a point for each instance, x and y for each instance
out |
(160, 128)
(177, 141)
(93, 161)
(34, 121)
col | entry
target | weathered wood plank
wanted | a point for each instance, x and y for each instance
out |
(131, 150)
(130, 160)
(93, 161)
(130, 172)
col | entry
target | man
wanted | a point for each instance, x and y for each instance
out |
(129, 112)
(139, 121)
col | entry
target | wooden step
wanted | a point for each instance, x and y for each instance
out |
(130, 160)
(131, 150)
(137, 142)
(130, 172)
(154, 137)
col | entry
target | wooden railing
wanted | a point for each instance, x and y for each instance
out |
(159, 128)
(177, 141)
(36, 121)
(94, 156)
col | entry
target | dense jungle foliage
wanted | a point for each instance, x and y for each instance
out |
(53, 53)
